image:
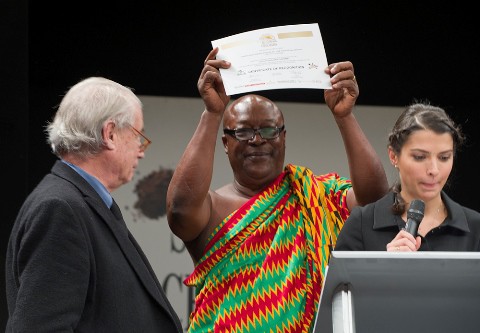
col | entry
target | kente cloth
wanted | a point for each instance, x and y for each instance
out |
(264, 265)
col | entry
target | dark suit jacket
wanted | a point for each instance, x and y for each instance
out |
(72, 266)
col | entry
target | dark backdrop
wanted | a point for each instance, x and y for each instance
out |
(401, 52)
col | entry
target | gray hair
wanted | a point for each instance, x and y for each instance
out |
(85, 108)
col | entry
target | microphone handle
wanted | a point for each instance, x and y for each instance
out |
(412, 227)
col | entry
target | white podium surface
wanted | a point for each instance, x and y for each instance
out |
(388, 292)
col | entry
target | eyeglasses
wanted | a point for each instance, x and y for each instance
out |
(144, 141)
(247, 134)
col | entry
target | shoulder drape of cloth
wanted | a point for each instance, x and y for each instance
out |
(264, 266)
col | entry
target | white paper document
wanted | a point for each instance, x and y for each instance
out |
(290, 56)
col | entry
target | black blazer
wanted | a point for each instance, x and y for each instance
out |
(72, 266)
(373, 226)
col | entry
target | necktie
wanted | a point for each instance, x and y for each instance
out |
(116, 211)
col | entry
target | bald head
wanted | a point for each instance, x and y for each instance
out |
(258, 161)
(249, 106)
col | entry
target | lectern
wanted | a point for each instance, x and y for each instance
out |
(389, 292)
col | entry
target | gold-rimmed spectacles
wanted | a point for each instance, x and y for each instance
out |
(144, 141)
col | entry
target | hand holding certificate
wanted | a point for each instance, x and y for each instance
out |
(291, 56)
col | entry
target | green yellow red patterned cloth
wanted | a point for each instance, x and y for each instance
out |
(264, 266)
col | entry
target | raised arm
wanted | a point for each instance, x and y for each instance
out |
(188, 196)
(366, 170)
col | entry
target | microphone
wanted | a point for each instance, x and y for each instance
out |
(414, 216)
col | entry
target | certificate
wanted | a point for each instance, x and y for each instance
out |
(290, 56)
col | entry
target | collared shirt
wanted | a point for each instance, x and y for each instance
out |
(373, 226)
(94, 182)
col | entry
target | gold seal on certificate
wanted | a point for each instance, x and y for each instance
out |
(290, 56)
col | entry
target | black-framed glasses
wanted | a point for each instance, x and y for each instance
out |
(247, 134)
(144, 141)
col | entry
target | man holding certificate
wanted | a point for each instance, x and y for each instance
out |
(261, 244)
